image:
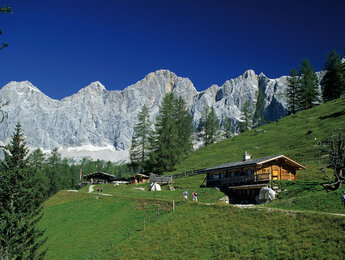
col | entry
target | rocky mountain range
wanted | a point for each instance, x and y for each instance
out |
(99, 123)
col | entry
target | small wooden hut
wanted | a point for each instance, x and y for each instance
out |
(138, 178)
(244, 179)
(253, 171)
(99, 177)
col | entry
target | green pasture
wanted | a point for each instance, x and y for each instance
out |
(196, 231)
(131, 223)
(295, 136)
(86, 226)
(307, 195)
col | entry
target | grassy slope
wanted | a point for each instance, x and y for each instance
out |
(84, 225)
(89, 226)
(81, 225)
(190, 184)
(307, 195)
(197, 231)
(295, 136)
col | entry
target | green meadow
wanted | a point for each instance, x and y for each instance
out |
(91, 226)
(129, 222)
(295, 136)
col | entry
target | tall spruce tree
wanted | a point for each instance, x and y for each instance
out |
(209, 126)
(308, 93)
(140, 148)
(246, 117)
(259, 114)
(20, 208)
(172, 137)
(292, 91)
(184, 126)
(37, 166)
(333, 83)
(227, 128)
(54, 171)
(164, 151)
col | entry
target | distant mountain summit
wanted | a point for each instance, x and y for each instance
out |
(99, 123)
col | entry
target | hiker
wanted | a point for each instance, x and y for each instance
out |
(185, 194)
(101, 190)
(195, 196)
(343, 199)
(97, 189)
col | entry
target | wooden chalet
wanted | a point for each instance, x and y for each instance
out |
(138, 178)
(250, 175)
(99, 177)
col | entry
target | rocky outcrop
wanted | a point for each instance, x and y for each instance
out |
(96, 119)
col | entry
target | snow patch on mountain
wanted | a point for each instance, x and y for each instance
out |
(99, 123)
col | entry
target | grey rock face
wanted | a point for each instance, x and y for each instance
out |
(96, 117)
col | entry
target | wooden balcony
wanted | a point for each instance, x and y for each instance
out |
(239, 180)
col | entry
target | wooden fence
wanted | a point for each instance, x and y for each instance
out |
(169, 179)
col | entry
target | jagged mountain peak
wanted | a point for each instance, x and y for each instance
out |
(250, 74)
(95, 117)
(94, 86)
(21, 87)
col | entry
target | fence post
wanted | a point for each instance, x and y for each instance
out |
(173, 205)
(144, 224)
(111, 244)
(128, 232)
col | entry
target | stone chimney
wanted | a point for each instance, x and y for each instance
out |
(246, 156)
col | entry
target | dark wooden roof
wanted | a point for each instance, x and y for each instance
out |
(253, 162)
(100, 174)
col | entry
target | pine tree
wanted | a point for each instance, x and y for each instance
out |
(37, 166)
(164, 152)
(36, 159)
(20, 208)
(209, 126)
(16, 151)
(184, 126)
(308, 94)
(292, 91)
(54, 162)
(333, 83)
(246, 117)
(227, 128)
(140, 148)
(259, 115)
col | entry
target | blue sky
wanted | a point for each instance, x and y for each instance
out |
(62, 46)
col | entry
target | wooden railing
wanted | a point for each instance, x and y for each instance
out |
(169, 179)
(252, 178)
(160, 179)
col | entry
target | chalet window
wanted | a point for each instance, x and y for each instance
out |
(250, 172)
(215, 176)
(266, 170)
(222, 175)
(232, 174)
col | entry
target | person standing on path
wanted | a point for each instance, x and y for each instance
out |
(185, 195)
(343, 198)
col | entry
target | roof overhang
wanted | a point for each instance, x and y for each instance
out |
(287, 160)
